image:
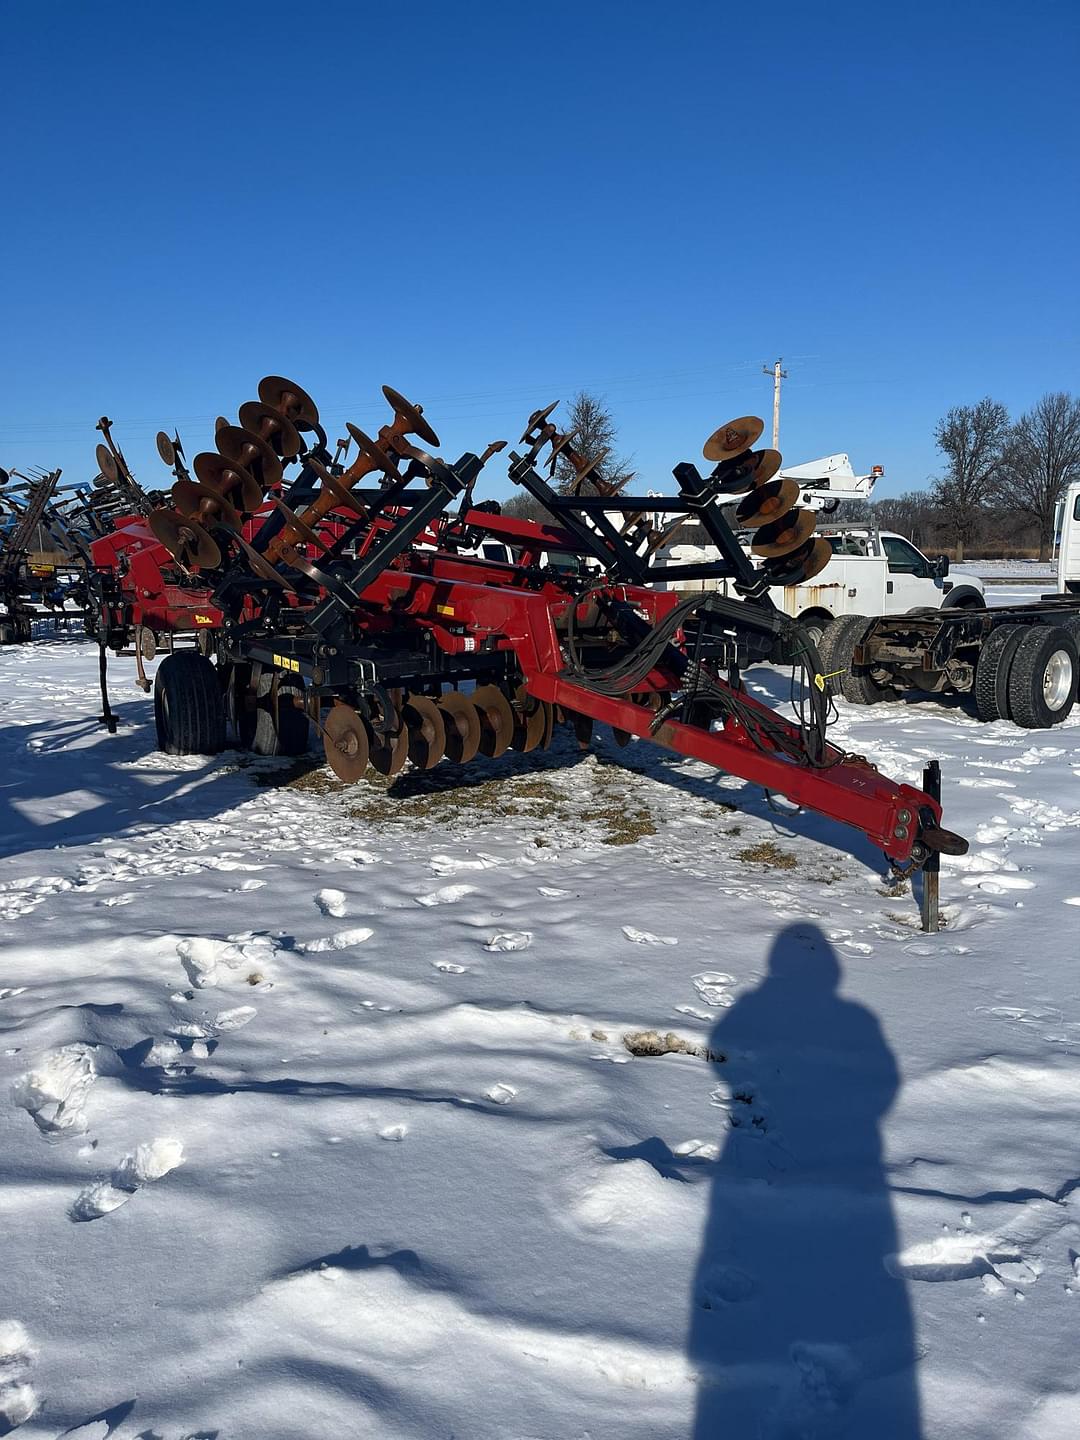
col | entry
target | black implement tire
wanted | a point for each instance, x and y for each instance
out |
(835, 650)
(275, 726)
(1042, 681)
(992, 672)
(188, 708)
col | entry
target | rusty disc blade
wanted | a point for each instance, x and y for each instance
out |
(461, 722)
(204, 503)
(165, 448)
(229, 477)
(537, 418)
(344, 499)
(529, 721)
(766, 503)
(368, 447)
(766, 464)
(733, 438)
(273, 425)
(622, 738)
(185, 539)
(221, 423)
(496, 720)
(251, 451)
(413, 415)
(261, 566)
(583, 728)
(549, 724)
(106, 461)
(346, 743)
(784, 535)
(801, 565)
(301, 528)
(388, 753)
(427, 732)
(287, 396)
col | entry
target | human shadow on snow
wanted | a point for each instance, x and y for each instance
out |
(797, 1327)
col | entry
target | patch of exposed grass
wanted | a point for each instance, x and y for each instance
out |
(768, 854)
(651, 1042)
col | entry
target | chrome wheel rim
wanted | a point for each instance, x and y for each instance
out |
(1058, 679)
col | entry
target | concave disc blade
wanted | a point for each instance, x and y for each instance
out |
(273, 425)
(782, 536)
(287, 396)
(496, 720)
(427, 732)
(229, 478)
(733, 438)
(528, 721)
(204, 503)
(185, 539)
(165, 447)
(411, 414)
(583, 728)
(346, 743)
(251, 451)
(106, 461)
(767, 503)
(801, 565)
(462, 723)
(389, 752)
(549, 724)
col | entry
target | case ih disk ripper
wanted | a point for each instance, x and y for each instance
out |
(357, 598)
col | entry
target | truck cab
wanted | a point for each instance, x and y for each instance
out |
(872, 572)
(1068, 541)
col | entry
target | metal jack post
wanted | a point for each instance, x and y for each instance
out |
(931, 882)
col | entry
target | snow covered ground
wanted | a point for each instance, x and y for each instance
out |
(320, 1112)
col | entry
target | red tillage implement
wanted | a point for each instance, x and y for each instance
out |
(365, 610)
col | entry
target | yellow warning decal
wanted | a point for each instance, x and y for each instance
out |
(203, 619)
(283, 662)
(444, 609)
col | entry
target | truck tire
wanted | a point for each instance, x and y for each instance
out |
(992, 672)
(835, 650)
(189, 711)
(275, 726)
(964, 597)
(1042, 681)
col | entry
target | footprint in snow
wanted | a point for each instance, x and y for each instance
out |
(501, 1094)
(510, 940)
(331, 902)
(455, 864)
(18, 1399)
(645, 937)
(723, 1285)
(448, 895)
(146, 1163)
(394, 1132)
(449, 968)
(712, 986)
(550, 892)
(54, 1094)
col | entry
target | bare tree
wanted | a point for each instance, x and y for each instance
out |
(1042, 456)
(524, 506)
(972, 439)
(594, 431)
(911, 514)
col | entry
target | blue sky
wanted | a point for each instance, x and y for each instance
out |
(489, 206)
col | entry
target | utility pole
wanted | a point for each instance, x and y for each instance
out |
(777, 375)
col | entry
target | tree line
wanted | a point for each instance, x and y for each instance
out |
(1001, 483)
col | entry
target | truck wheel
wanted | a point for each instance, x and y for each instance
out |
(992, 672)
(276, 726)
(815, 623)
(1042, 681)
(188, 708)
(7, 633)
(964, 597)
(836, 649)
